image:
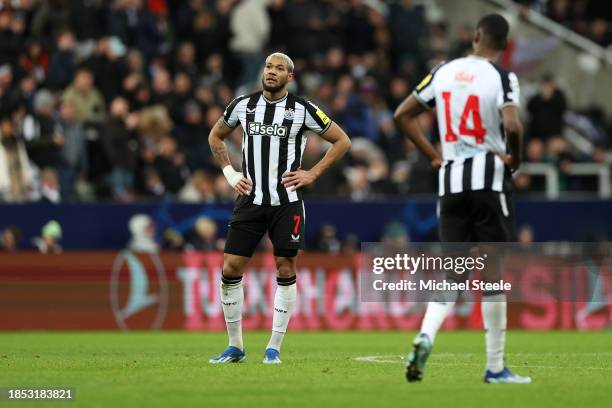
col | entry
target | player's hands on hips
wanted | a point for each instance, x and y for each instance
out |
(237, 181)
(510, 161)
(244, 186)
(436, 163)
(296, 179)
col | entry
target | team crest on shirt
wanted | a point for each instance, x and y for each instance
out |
(289, 114)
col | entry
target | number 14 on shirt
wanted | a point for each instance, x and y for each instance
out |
(472, 108)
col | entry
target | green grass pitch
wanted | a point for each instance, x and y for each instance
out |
(170, 369)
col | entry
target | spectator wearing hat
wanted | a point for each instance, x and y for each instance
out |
(48, 242)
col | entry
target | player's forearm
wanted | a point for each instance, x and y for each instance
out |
(406, 119)
(333, 154)
(411, 129)
(217, 146)
(514, 136)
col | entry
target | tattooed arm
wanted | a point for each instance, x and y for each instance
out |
(216, 140)
(217, 145)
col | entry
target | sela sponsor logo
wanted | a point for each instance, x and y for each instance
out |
(260, 129)
(295, 238)
(144, 303)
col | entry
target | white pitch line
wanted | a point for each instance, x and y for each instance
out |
(395, 359)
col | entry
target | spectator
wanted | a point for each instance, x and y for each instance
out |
(87, 100)
(601, 32)
(50, 236)
(108, 66)
(15, 172)
(359, 30)
(199, 189)
(203, 237)
(74, 149)
(250, 25)
(170, 165)
(9, 94)
(223, 191)
(152, 185)
(546, 110)
(63, 63)
(305, 21)
(350, 245)
(211, 34)
(135, 26)
(186, 60)
(44, 143)
(396, 236)
(327, 241)
(26, 94)
(162, 88)
(331, 183)
(407, 20)
(49, 191)
(142, 229)
(189, 135)
(525, 234)
(181, 96)
(49, 17)
(10, 238)
(11, 35)
(173, 240)
(122, 147)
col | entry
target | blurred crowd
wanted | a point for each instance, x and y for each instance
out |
(590, 18)
(548, 113)
(114, 99)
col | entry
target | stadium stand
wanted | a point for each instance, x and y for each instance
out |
(113, 100)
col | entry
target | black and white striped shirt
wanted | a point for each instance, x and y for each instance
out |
(273, 141)
(484, 171)
(469, 94)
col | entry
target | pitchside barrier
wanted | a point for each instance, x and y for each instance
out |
(180, 291)
(105, 226)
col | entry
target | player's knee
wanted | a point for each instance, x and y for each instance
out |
(286, 267)
(232, 266)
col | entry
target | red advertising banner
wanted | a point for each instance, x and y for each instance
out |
(110, 290)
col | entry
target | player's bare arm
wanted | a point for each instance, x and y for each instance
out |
(216, 139)
(406, 118)
(340, 144)
(514, 133)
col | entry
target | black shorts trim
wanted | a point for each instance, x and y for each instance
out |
(285, 253)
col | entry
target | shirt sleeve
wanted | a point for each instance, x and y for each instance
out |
(315, 119)
(509, 93)
(425, 92)
(230, 116)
